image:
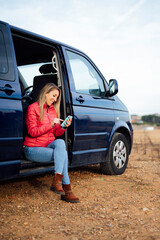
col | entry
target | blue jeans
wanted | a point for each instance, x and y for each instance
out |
(56, 152)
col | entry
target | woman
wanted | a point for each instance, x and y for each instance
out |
(43, 124)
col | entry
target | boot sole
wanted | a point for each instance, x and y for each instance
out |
(60, 193)
(74, 201)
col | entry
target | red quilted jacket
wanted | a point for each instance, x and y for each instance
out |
(41, 133)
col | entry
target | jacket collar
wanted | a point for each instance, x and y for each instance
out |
(49, 107)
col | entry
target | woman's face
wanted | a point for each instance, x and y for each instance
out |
(52, 96)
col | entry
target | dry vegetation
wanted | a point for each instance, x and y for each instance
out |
(112, 207)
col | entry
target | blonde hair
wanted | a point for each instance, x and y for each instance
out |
(42, 99)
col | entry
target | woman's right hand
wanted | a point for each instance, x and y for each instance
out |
(56, 121)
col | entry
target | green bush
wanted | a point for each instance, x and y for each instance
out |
(153, 119)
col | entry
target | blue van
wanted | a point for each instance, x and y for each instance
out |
(101, 131)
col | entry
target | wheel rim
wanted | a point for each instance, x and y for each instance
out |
(119, 154)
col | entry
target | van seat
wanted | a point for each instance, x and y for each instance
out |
(48, 76)
(40, 81)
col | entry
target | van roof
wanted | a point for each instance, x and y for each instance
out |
(32, 35)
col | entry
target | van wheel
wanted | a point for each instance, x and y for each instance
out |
(117, 158)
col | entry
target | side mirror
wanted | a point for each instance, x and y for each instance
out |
(113, 88)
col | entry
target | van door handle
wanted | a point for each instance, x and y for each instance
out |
(7, 89)
(80, 99)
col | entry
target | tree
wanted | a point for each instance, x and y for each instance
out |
(151, 119)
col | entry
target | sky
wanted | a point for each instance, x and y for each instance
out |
(122, 37)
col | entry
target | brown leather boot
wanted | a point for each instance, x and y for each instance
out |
(69, 196)
(57, 184)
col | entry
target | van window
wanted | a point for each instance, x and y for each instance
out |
(86, 79)
(3, 56)
(29, 72)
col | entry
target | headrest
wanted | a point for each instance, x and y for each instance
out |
(47, 68)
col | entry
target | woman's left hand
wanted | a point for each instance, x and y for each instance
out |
(69, 121)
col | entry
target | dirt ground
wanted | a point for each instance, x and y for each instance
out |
(112, 207)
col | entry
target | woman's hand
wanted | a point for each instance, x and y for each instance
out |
(69, 121)
(56, 121)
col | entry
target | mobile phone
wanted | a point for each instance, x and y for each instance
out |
(65, 121)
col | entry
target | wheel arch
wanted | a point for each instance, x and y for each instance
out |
(122, 127)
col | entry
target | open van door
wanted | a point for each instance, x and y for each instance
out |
(11, 115)
(93, 111)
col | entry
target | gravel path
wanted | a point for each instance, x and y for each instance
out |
(112, 207)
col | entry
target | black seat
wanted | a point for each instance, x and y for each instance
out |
(40, 81)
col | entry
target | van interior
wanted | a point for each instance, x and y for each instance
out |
(38, 64)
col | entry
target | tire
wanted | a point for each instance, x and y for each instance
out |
(117, 157)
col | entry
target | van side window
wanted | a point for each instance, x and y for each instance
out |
(86, 79)
(3, 56)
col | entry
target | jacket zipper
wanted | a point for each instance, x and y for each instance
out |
(49, 122)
